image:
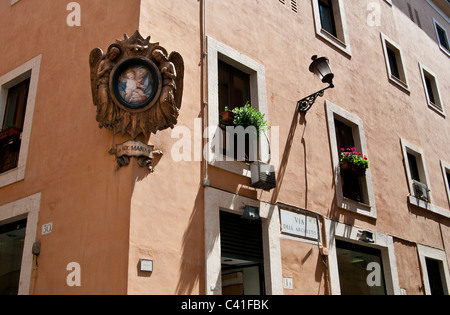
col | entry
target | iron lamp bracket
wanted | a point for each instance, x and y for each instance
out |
(305, 104)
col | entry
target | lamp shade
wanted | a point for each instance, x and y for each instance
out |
(321, 68)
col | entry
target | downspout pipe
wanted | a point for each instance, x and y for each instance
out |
(204, 89)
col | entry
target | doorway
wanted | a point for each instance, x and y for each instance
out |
(242, 255)
(12, 237)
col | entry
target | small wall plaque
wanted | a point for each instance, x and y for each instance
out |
(146, 265)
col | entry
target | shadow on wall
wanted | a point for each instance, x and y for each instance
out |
(192, 267)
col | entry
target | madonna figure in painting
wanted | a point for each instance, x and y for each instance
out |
(135, 85)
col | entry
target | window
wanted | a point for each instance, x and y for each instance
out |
(331, 24)
(12, 125)
(234, 91)
(356, 267)
(234, 87)
(354, 193)
(435, 273)
(351, 183)
(417, 174)
(412, 162)
(394, 63)
(233, 77)
(431, 88)
(327, 16)
(446, 174)
(17, 98)
(442, 37)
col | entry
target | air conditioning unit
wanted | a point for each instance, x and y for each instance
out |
(421, 191)
(263, 176)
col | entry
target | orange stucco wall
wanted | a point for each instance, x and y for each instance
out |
(68, 160)
(106, 220)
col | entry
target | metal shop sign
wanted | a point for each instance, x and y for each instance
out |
(300, 225)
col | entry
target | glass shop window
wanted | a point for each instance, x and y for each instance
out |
(353, 262)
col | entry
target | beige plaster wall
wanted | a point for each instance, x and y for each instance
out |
(167, 206)
(283, 42)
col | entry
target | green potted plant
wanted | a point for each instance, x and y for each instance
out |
(353, 161)
(244, 116)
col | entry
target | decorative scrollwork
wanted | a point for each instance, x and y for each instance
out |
(305, 104)
(137, 86)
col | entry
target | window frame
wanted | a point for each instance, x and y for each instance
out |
(406, 148)
(368, 208)
(437, 26)
(341, 231)
(29, 69)
(446, 174)
(402, 81)
(217, 200)
(341, 40)
(28, 208)
(436, 254)
(409, 148)
(216, 51)
(438, 104)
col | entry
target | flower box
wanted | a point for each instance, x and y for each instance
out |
(353, 162)
(352, 168)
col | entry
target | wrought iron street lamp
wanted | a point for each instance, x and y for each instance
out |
(321, 68)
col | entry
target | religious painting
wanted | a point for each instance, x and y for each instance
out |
(137, 86)
(135, 83)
